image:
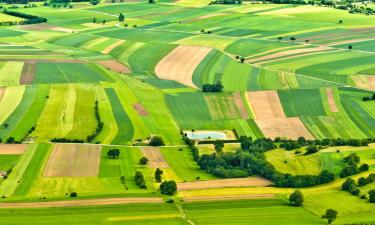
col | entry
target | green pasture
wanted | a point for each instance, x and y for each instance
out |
(11, 98)
(8, 161)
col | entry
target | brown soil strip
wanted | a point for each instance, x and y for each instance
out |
(112, 46)
(335, 35)
(288, 53)
(28, 73)
(44, 26)
(331, 100)
(227, 197)
(114, 66)
(180, 64)
(266, 104)
(12, 149)
(235, 182)
(203, 17)
(73, 160)
(291, 128)
(154, 156)
(83, 202)
(371, 82)
(140, 109)
(2, 92)
(240, 105)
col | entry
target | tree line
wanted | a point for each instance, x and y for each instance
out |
(29, 19)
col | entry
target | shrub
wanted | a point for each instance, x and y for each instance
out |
(156, 141)
(296, 198)
(168, 187)
(73, 194)
(143, 161)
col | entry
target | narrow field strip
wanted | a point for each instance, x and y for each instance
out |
(112, 46)
(227, 197)
(115, 66)
(145, 217)
(83, 202)
(11, 99)
(155, 157)
(12, 149)
(28, 73)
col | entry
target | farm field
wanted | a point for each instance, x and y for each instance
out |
(186, 112)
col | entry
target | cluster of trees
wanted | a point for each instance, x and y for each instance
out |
(218, 87)
(113, 153)
(99, 126)
(29, 19)
(156, 141)
(351, 166)
(121, 17)
(67, 140)
(140, 180)
(368, 98)
(237, 2)
(168, 187)
(350, 186)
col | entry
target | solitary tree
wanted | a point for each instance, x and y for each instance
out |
(158, 174)
(104, 21)
(156, 141)
(350, 47)
(296, 198)
(94, 20)
(330, 215)
(113, 153)
(143, 161)
(168, 187)
(219, 145)
(372, 196)
(279, 38)
(121, 17)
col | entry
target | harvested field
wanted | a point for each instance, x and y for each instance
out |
(28, 73)
(44, 26)
(203, 17)
(140, 109)
(227, 197)
(180, 64)
(112, 46)
(83, 202)
(115, 66)
(331, 100)
(291, 128)
(154, 156)
(240, 105)
(349, 41)
(266, 104)
(12, 149)
(235, 182)
(2, 91)
(73, 160)
(371, 82)
(282, 55)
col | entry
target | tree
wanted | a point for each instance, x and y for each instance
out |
(350, 47)
(143, 161)
(372, 196)
(94, 20)
(113, 153)
(364, 167)
(341, 21)
(347, 184)
(296, 198)
(121, 17)
(156, 141)
(279, 38)
(330, 215)
(168, 187)
(311, 149)
(104, 21)
(219, 145)
(140, 180)
(73, 194)
(362, 181)
(151, 1)
(158, 174)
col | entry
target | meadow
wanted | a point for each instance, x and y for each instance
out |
(97, 83)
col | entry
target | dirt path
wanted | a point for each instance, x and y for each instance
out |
(83, 202)
(331, 100)
(112, 46)
(235, 182)
(12, 149)
(179, 64)
(154, 156)
(227, 197)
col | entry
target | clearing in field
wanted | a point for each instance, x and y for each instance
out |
(180, 64)
(331, 100)
(271, 119)
(12, 149)
(114, 66)
(28, 73)
(73, 160)
(234, 182)
(154, 156)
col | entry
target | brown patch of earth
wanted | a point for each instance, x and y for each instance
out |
(154, 156)
(112, 46)
(115, 66)
(331, 100)
(140, 109)
(266, 104)
(28, 73)
(234, 182)
(12, 149)
(240, 105)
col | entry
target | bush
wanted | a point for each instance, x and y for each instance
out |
(168, 187)
(296, 198)
(157, 141)
(140, 180)
(73, 194)
(218, 87)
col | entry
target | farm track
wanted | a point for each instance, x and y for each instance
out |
(83, 202)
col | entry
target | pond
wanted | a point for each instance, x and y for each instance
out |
(204, 135)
